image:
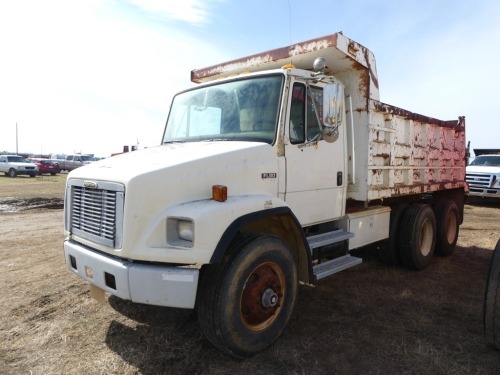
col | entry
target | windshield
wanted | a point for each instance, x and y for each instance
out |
(246, 109)
(490, 160)
(17, 159)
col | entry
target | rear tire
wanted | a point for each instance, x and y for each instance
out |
(491, 307)
(245, 302)
(447, 227)
(389, 253)
(417, 238)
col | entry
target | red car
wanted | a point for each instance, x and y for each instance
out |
(46, 166)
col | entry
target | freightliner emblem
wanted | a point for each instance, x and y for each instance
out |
(90, 184)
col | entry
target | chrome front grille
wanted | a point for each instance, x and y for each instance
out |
(96, 213)
(479, 179)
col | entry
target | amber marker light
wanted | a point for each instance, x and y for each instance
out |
(219, 193)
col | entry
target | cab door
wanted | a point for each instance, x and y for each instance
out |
(315, 169)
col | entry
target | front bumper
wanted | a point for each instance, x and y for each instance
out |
(142, 283)
(27, 172)
(484, 192)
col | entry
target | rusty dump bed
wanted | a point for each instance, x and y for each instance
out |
(342, 54)
(391, 151)
(407, 153)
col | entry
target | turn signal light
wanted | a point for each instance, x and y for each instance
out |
(219, 193)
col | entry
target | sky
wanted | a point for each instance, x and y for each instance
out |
(92, 76)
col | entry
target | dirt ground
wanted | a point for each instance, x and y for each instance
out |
(371, 319)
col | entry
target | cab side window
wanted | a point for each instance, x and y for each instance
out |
(297, 114)
(305, 111)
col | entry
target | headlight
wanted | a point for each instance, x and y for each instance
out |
(186, 230)
(180, 232)
(496, 181)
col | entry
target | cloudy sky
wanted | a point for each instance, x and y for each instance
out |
(91, 76)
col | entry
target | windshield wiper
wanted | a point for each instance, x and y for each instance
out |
(170, 142)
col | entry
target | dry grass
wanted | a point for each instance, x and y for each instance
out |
(45, 186)
(368, 320)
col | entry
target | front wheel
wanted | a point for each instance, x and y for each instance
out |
(245, 302)
(12, 172)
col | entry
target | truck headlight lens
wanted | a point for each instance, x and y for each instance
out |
(496, 181)
(186, 230)
(180, 232)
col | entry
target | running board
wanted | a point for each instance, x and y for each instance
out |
(328, 238)
(335, 265)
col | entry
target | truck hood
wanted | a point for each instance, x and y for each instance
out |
(181, 172)
(158, 179)
(482, 169)
(126, 167)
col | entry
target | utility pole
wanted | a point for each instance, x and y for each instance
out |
(17, 150)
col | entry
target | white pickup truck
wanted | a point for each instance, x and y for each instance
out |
(71, 162)
(483, 176)
(269, 173)
(14, 165)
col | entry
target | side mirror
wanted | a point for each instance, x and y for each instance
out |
(333, 110)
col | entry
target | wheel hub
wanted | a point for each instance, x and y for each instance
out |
(269, 298)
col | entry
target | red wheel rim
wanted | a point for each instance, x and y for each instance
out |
(262, 296)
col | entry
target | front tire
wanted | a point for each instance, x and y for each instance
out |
(417, 238)
(491, 307)
(12, 172)
(245, 302)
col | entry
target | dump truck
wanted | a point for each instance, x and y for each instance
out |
(272, 170)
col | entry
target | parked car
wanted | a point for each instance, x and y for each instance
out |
(483, 176)
(13, 165)
(46, 166)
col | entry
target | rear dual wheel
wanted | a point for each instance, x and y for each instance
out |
(417, 237)
(425, 231)
(447, 219)
(389, 251)
(245, 302)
